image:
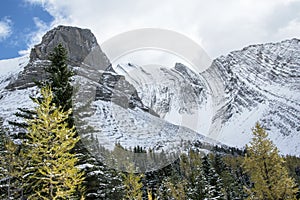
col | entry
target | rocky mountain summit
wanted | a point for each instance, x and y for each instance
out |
(82, 48)
(86, 59)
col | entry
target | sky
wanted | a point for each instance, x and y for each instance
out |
(219, 26)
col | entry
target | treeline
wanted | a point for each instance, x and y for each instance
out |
(260, 173)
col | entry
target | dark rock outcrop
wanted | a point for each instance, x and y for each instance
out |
(82, 47)
(116, 89)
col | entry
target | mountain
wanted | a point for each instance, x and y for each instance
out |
(179, 95)
(82, 47)
(161, 107)
(107, 108)
(258, 83)
(262, 83)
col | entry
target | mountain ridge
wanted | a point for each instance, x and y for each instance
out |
(257, 83)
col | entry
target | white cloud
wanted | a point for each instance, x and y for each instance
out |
(219, 26)
(36, 36)
(5, 28)
(292, 29)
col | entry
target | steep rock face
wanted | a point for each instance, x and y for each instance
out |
(87, 61)
(82, 48)
(117, 89)
(258, 83)
(255, 72)
(262, 83)
(81, 45)
(178, 95)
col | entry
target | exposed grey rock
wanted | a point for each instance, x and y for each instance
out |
(82, 48)
(264, 74)
(115, 88)
(81, 45)
(34, 71)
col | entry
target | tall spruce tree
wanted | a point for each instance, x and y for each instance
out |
(266, 169)
(52, 171)
(59, 79)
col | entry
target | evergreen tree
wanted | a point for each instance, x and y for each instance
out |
(12, 170)
(231, 176)
(8, 163)
(191, 169)
(52, 171)
(133, 185)
(214, 185)
(293, 165)
(176, 190)
(266, 169)
(60, 79)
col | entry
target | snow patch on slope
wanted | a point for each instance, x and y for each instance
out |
(10, 68)
(179, 95)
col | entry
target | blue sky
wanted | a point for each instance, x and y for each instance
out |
(19, 20)
(219, 26)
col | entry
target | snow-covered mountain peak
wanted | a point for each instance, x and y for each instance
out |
(258, 83)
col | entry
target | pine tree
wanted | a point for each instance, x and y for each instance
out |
(176, 190)
(133, 184)
(191, 169)
(266, 169)
(52, 171)
(214, 185)
(60, 79)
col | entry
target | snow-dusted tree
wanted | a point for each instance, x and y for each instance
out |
(213, 183)
(191, 169)
(52, 171)
(231, 177)
(13, 163)
(176, 191)
(11, 169)
(266, 169)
